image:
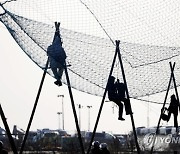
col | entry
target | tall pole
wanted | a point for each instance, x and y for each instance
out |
(11, 140)
(59, 120)
(127, 94)
(74, 109)
(102, 103)
(148, 120)
(62, 110)
(164, 103)
(34, 107)
(177, 97)
(79, 107)
(89, 107)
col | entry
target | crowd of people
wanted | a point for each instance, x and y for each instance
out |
(98, 148)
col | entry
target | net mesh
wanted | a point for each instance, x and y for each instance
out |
(145, 48)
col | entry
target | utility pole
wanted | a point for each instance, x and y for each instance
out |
(62, 110)
(80, 107)
(148, 120)
(89, 107)
(59, 120)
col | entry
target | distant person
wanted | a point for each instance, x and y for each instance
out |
(96, 148)
(2, 150)
(57, 57)
(113, 95)
(173, 109)
(104, 148)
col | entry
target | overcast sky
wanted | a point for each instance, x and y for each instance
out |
(19, 83)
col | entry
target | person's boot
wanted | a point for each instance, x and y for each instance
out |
(58, 83)
(121, 118)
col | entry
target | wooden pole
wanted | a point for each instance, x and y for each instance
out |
(74, 110)
(158, 125)
(34, 108)
(127, 94)
(177, 97)
(102, 103)
(11, 140)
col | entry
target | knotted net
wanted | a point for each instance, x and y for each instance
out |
(149, 40)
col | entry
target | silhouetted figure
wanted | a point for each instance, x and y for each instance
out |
(96, 149)
(116, 93)
(113, 95)
(57, 57)
(104, 148)
(121, 89)
(173, 109)
(2, 150)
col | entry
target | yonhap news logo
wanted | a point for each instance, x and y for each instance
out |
(152, 138)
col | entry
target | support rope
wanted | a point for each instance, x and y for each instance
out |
(98, 21)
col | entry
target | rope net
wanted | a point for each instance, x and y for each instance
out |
(148, 32)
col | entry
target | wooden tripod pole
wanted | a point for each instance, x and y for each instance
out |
(34, 108)
(102, 103)
(177, 97)
(11, 140)
(158, 125)
(74, 110)
(127, 94)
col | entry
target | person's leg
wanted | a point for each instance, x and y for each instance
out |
(60, 71)
(127, 106)
(120, 105)
(169, 116)
(175, 121)
(55, 72)
(56, 75)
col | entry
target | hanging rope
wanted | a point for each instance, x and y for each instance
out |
(98, 21)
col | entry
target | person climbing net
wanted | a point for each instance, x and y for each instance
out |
(57, 56)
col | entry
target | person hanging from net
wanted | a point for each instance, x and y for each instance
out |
(173, 109)
(57, 56)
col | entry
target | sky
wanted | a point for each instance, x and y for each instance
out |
(19, 82)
